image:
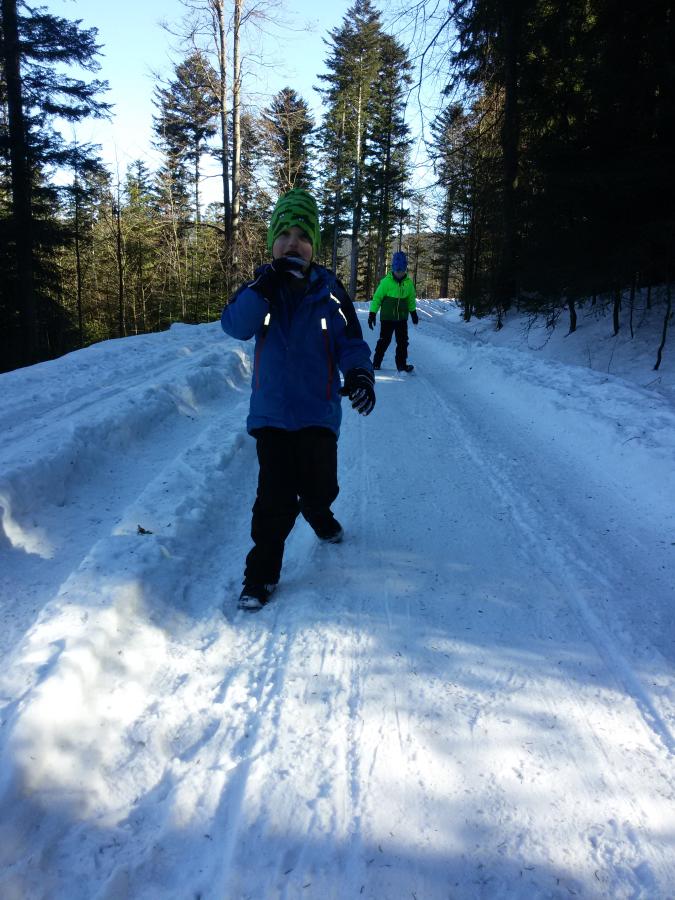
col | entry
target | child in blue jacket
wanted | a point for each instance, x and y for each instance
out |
(305, 329)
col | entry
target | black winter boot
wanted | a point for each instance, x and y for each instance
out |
(331, 532)
(255, 596)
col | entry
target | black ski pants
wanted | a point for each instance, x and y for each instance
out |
(298, 474)
(387, 329)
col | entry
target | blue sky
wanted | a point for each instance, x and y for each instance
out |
(135, 46)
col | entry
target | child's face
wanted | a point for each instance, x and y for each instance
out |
(294, 242)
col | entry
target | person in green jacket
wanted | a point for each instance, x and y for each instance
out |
(395, 298)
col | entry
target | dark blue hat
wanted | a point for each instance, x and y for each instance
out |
(399, 262)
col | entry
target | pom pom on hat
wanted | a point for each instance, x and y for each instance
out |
(399, 262)
(296, 207)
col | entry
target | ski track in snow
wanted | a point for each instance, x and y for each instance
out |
(471, 697)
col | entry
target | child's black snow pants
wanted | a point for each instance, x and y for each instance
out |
(387, 329)
(298, 474)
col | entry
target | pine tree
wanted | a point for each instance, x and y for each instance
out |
(493, 44)
(449, 152)
(256, 203)
(288, 127)
(554, 88)
(334, 155)
(186, 120)
(351, 80)
(82, 201)
(140, 240)
(37, 94)
(386, 165)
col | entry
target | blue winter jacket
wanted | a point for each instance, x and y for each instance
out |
(300, 342)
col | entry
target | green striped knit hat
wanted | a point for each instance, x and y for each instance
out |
(297, 207)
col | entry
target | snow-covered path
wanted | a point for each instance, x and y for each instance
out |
(472, 696)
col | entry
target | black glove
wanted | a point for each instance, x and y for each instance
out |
(268, 277)
(372, 318)
(359, 386)
(415, 318)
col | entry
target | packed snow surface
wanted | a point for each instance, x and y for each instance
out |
(471, 697)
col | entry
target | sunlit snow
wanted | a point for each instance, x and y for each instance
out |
(471, 697)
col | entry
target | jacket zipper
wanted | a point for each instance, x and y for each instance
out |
(324, 329)
(258, 351)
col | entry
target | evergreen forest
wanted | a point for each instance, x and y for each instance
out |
(551, 152)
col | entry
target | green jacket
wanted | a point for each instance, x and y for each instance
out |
(397, 298)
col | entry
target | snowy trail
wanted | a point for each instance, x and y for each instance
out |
(472, 696)
(103, 442)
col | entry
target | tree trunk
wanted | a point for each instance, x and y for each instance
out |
(573, 316)
(417, 244)
(224, 152)
(509, 139)
(336, 228)
(666, 320)
(22, 212)
(140, 289)
(356, 215)
(78, 264)
(400, 226)
(117, 216)
(236, 136)
(470, 256)
(383, 231)
(616, 311)
(447, 241)
(198, 215)
(338, 197)
(290, 180)
(444, 286)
